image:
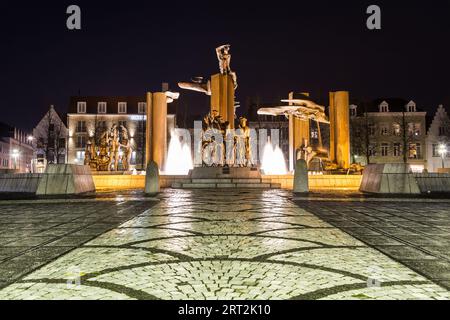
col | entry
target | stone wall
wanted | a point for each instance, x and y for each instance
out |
(118, 182)
(389, 178)
(433, 182)
(65, 179)
(320, 182)
(19, 182)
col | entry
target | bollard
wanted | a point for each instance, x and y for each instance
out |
(152, 179)
(301, 177)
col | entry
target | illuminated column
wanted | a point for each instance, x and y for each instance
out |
(299, 134)
(332, 113)
(148, 130)
(340, 128)
(222, 96)
(159, 130)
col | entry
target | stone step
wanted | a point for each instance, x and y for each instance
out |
(211, 181)
(198, 186)
(193, 185)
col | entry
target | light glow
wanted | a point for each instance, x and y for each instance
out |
(179, 158)
(273, 162)
(442, 150)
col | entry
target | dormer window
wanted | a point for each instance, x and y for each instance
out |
(101, 107)
(384, 107)
(81, 107)
(122, 107)
(411, 107)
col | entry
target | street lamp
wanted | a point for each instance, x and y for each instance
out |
(443, 153)
(30, 139)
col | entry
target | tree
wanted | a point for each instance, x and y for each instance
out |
(51, 139)
(360, 134)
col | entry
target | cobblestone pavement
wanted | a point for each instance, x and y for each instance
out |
(414, 232)
(224, 244)
(35, 232)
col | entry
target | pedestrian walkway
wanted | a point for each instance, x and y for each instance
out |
(224, 244)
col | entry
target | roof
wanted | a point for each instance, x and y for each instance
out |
(395, 104)
(111, 102)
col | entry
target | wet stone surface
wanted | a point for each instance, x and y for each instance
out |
(204, 244)
(416, 233)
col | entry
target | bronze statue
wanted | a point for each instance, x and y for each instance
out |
(113, 141)
(224, 57)
(125, 148)
(114, 147)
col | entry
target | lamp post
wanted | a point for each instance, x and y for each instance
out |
(443, 153)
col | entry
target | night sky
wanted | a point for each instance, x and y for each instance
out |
(130, 47)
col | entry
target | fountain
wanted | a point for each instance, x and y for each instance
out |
(273, 162)
(179, 158)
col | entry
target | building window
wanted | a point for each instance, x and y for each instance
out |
(122, 107)
(436, 150)
(101, 107)
(442, 131)
(62, 143)
(353, 111)
(384, 107)
(414, 129)
(372, 130)
(81, 142)
(384, 130)
(372, 150)
(397, 150)
(81, 107)
(396, 128)
(80, 156)
(384, 149)
(314, 134)
(415, 151)
(101, 124)
(141, 107)
(81, 126)
(411, 107)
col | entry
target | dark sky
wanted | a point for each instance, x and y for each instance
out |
(130, 47)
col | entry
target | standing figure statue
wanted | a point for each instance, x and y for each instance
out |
(103, 160)
(125, 146)
(243, 149)
(214, 150)
(224, 57)
(114, 146)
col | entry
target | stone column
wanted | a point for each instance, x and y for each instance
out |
(159, 130)
(148, 130)
(332, 113)
(222, 96)
(340, 128)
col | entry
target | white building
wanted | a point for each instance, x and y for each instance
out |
(50, 140)
(90, 115)
(438, 135)
(16, 151)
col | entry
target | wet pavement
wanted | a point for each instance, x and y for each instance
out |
(204, 244)
(414, 232)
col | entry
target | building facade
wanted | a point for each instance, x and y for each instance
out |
(438, 141)
(389, 131)
(16, 150)
(89, 116)
(50, 141)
